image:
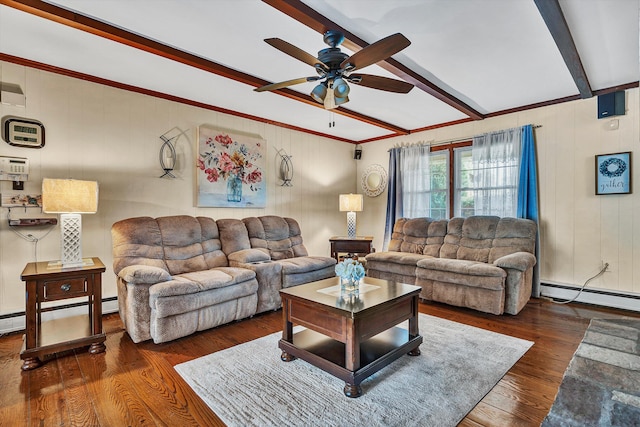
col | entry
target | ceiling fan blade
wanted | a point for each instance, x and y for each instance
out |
(296, 52)
(382, 49)
(276, 86)
(381, 83)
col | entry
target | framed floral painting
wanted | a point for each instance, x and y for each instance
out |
(613, 173)
(230, 169)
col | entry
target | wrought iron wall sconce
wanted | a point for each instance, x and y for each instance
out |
(167, 155)
(285, 172)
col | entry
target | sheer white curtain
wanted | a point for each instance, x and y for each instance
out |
(414, 164)
(496, 160)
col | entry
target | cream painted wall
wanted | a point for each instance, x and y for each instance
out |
(96, 132)
(579, 230)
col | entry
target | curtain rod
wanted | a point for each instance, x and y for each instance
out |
(453, 141)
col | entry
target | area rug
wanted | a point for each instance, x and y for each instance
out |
(248, 385)
(601, 386)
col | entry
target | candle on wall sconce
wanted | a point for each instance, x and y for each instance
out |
(285, 171)
(167, 155)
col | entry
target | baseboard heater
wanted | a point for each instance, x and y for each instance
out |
(606, 298)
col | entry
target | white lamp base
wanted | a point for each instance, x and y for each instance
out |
(70, 240)
(351, 225)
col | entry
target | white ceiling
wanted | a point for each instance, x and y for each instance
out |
(492, 55)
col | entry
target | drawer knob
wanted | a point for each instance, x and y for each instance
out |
(66, 287)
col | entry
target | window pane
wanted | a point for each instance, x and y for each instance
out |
(464, 196)
(430, 196)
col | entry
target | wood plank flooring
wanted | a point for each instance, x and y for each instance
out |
(135, 384)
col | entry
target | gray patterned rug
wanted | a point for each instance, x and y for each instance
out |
(249, 385)
(601, 386)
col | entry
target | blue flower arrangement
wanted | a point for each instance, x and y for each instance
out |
(350, 270)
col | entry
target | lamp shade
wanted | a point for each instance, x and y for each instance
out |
(350, 202)
(69, 196)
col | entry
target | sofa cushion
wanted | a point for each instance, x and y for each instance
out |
(513, 235)
(173, 297)
(462, 272)
(305, 264)
(418, 236)
(233, 235)
(137, 241)
(281, 237)
(182, 243)
(478, 233)
(399, 263)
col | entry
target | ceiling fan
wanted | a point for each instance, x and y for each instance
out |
(335, 68)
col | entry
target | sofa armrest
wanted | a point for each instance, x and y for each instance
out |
(140, 273)
(248, 256)
(521, 261)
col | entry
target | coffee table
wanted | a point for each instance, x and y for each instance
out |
(350, 336)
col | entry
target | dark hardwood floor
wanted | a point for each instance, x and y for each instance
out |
(135, 384)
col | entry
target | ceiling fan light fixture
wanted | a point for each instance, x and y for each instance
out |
(319, 93)
(340, 101)
(340, 88)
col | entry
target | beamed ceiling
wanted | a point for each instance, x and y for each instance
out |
(468, 59)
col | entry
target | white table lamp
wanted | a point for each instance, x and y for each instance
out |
(70, 198)
(351, 203)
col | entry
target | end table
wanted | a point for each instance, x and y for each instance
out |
(359, 245)
(50, 282)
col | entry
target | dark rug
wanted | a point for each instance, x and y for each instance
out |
(601, 386)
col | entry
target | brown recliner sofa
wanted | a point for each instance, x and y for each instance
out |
(181, 274)
(480, 262)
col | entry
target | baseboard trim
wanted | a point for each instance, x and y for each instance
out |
(606, 298)
(14, 322)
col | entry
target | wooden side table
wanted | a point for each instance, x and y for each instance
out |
(46, 282)
(360, 245)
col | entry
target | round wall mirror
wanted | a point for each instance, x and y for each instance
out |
(374, 180)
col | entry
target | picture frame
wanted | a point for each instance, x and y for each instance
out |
(230, 169)
(613, 173)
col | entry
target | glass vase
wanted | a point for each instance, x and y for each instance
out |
(234, 188)
(348, 285)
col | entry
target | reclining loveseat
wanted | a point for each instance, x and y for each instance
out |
(181, 274)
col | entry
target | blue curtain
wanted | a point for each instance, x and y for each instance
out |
(394, 195)
(528, 195)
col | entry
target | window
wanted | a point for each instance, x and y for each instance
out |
(428, 196)
(459, 185)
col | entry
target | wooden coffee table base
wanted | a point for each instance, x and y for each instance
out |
(329, 354)
(350, 345)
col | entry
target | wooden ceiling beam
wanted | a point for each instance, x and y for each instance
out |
(314, 20)
(557, 25)
(102, 29)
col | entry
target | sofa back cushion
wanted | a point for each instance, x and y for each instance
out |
(233, 235)
(184, 242)
(513, 235)
(487, 238)
(418, 236)
(477, 237)
(177, 244)
(280, 237)
(137, 241)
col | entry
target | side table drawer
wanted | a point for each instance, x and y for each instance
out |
(61, 289)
